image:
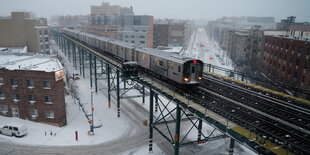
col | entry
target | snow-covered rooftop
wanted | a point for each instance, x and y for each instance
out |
(27, 61)
(14, 49)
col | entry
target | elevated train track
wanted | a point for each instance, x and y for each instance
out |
(296, 115)
(268, 93)
(249, 122)
(269, 128)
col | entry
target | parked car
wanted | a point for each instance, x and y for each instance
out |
(17, 130)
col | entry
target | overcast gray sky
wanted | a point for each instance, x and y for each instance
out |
(182, 9)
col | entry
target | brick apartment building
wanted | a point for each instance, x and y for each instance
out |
(287, 57)
(32, 87)
(21, 30)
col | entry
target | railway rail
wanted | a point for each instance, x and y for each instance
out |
(272, 120)
(299, 116)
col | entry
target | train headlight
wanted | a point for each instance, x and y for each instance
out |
(185, 79)
(199, 77)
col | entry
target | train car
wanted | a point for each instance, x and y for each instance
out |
(178, 68)
(181, 69)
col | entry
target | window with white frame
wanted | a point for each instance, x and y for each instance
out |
(2, 95)
(33, 113)
(48, 100)
(1, 81)
(49, 114)
(32, 99)
(4, 109)
(13, 82)
(46, 85)
(30, 84)
(15, 97)
(15, 111)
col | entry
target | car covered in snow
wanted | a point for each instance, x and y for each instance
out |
(17, 130)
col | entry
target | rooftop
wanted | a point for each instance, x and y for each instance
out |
(14, 49)
(27, 61)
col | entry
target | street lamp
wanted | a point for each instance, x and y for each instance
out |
(92, 114)
(92, 111)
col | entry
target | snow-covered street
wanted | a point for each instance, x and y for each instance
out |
(203, 48)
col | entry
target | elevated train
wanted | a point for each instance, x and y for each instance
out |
(180, 69)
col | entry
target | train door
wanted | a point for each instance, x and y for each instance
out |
(193, 71)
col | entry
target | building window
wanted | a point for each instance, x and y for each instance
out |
(4, 109)
(308, 52)
(46, 39)
(126, 36)
(49, 114)
(133, 41)
(142, 42)
(286, 46)
(13, 82)
(45, 32)
(48, 100)
(15, 111)
(46, 85)
(2, 95)
(283, 68)
(1, 81)
(296, 75)
(33, 113)
(179, 68)
(30, 84)
(303, 79)
(142, 37)
(293, 48)
(299, 50)
(40, 32)
(15, 97)
(47, 46)
(297, 62)
(132, 36)
(32, 99)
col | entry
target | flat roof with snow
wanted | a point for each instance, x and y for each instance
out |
(27, 61)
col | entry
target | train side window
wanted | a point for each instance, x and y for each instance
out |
(170, 65)
(143, 57)
(179, 68)
(160, 63)
(193, 69)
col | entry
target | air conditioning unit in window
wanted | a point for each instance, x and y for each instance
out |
(14, 86)
(15, 101)
(34, 116)
(2, 99)
(32, 102)
(4, 112)
(30, 88)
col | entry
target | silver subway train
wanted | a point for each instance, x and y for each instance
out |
(181, 69)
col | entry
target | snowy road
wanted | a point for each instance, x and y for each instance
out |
(203, 48)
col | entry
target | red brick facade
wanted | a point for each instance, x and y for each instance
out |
(54, 93)
(287, 60)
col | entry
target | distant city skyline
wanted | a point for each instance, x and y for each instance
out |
(180, 9)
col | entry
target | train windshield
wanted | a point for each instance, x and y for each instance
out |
(193, 68)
